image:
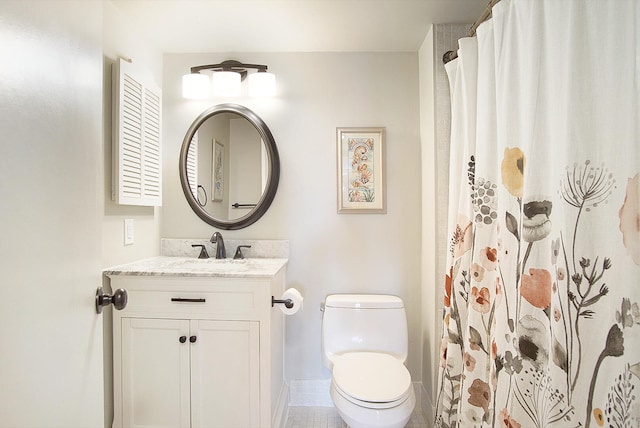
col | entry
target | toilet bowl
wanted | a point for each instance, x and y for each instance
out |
(364, 341)
(372, 390)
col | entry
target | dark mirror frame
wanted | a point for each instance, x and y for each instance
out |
(274, 167)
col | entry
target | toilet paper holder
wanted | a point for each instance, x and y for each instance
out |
(288, 303)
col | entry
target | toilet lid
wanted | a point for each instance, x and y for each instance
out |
(370, 376)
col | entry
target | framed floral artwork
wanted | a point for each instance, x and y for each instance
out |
(218, 172)
(361, 171)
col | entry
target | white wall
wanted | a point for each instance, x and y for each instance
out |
(245, 159)
(120, 39)
(330, 252)
(429, 302)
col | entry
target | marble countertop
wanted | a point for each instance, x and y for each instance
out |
(193, 267)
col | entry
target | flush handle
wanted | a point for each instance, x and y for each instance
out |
(118, 299)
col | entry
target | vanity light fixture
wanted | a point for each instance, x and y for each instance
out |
(226, 80)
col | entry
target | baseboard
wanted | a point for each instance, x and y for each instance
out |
(279, 417)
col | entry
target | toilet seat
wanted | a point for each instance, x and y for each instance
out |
(371, 379)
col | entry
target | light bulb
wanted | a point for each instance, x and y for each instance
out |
(226, 84)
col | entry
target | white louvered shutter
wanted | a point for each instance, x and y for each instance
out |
(137, 138)
(192, 165)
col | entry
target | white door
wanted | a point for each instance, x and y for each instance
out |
(225, 374)
(51, 196)
(155, 373)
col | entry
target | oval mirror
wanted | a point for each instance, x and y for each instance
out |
(229, 166)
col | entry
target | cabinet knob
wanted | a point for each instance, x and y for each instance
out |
(193, 339)
(183, 339)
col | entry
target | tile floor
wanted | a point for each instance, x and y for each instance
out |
(327, 417)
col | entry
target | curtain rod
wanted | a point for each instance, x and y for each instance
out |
(486, 14)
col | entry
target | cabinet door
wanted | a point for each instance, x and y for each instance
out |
(155, 373)
(225, 373)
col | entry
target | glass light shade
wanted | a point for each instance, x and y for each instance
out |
(226, 84)
(262, 84)
(195, 86)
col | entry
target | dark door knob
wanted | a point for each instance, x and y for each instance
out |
(183, 339)
(193, 339)
(118, 299)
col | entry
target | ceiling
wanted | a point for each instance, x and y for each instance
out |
(189, 26)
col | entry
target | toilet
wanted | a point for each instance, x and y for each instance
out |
(364, 344)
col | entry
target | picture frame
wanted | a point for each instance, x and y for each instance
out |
(361, 170)
(217, 169)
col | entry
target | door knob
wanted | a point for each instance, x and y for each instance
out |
(118, 299)
(183, 339)
(193, 339)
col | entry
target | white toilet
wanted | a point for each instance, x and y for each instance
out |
(364, 343)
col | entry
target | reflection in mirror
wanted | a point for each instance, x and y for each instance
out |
(229, 166)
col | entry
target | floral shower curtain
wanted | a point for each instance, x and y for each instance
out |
(541, 320)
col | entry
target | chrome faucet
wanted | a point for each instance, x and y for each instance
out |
(216, 238)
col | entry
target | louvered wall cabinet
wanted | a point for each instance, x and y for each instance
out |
(137, 137)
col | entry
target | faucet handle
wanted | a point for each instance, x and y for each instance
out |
(239, 254)
(203, 251)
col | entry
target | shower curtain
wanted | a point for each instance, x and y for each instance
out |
(541, 315)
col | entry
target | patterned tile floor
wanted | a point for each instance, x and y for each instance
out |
(327, 417)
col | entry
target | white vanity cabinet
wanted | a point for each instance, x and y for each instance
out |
(198, 351)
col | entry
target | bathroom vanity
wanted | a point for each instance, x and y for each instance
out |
(198, 343)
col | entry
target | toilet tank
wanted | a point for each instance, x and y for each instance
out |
(363, 322)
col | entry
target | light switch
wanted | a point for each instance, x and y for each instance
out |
(128, 231)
